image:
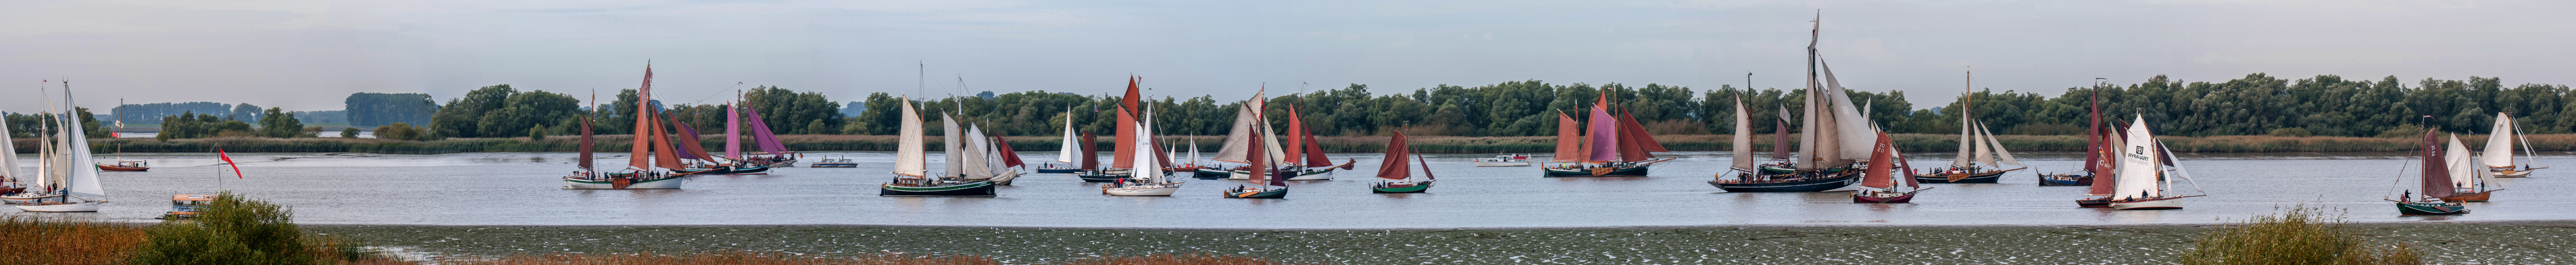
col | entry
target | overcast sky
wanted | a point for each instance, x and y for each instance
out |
(309, 55)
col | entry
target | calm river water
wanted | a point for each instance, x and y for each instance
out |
(522, 189)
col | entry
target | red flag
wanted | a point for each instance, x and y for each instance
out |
(112, 134)
(228, 160)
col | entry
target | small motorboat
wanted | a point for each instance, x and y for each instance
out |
(127, 166)
(1512, 160)
(185, 206)
(835, 162)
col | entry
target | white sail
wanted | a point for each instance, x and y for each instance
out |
(970, 156)
(2000, 153)
(1194, 150)
(82, 179)
(2464, 174)
(1239, 139)
(1144, 168)
(1967, 141)
(2138, 170)
(948, 127)
(911, 158)
(1852, 127)
(992, 154)
(1070, 152)
(1743, 145)
(2499, 151)
(1985, 150)
(9, 159)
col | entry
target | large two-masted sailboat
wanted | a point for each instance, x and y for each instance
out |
(1613, 146)
(912, 164)
(1981, 158)
(1240, 139)
(68, 178)
(651, 163)
(1835, 137)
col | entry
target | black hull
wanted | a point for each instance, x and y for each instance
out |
(1634, 171)
(731, 170)
(985, 190)
(1089, 177)
(1809, 185)
(1987, 177)
(1203, 174)
(1067, 170)
(2068, 180)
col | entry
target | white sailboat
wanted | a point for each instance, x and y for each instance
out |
(2140, 158)
(11, 181)
(1066, 157)
(1979, 153)
(912, 165)
(2499, 154)
(72, 181)
(1239, 140)
(1149, 179)
(2467, 185)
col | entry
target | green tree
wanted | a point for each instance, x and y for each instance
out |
(277, 124)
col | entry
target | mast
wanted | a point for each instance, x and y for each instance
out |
(910, 157)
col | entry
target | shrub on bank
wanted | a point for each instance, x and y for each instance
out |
(2300, 235)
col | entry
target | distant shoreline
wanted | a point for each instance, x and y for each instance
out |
(1030, 145)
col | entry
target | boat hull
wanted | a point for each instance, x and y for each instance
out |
(1502, 164)
(1631, 171)
(823, 165)
(2510, 173)
(1806, 185)
(2470, 197)
(2148, 204)
(28, 197)
(61, 208)
(967, 189)
(1979, 177)
(1306, 174)
(611, 184)
(732, 170)
(1210, 173)
(1904, 198)
(2423, 208)
(1094, 176)
(105, 167)
(1281, 193)
(2103, 202)
(1416, 187)
(2065, 180)
(1053, 168)
(1142, 190)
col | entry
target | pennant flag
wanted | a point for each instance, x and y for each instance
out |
(228, 160)
(112, 134)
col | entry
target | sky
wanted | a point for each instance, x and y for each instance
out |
(310, 54)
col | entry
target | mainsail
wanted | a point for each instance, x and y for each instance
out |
(9, 164)
(2138, 164)
(1395, 168)
(1880, 163)
(2464, 173)
(1569, 139)
(733, 132)
(768, 142)
(2437, 174)
(1123, 154)
(2499, 153)
(910, 157)
(586, 146)
(951, 146)
(83, 178)
(1248, 121)
(1743, 145)
(972, 157)
(1066, 154)
(1602, 136)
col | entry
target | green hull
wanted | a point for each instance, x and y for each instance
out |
(2418, 208)
(1281, 193)
(1424, 186)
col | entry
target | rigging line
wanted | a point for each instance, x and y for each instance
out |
(718, 93)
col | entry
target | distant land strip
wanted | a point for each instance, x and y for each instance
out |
(1044, 146)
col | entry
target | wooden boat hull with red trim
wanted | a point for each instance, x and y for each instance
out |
(106, 167)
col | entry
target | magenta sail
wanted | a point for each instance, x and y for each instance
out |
(760, 133)
(1605, 132)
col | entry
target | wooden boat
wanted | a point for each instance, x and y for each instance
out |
(652, 163)
(1511, 160)
(2145, 156)
(2092, 154)
(126, 166)
(771, 152)
(1066, 153)
(1747, 177)
(834, 162)
(2498, 156)
(2467, 184)
(1239, 140)
(2435, 180)
(1262, 184)
(1880, 186)
(700, 162)
(1981, 158)
(1610, 147)
(1395, 175)
(69, 182)
(1837, 136)
(912, 165)
(185, 206)
(1148, 178)
(1301, 144)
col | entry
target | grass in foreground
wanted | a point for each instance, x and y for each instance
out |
(232, 231)
(751, 258)
(2300, 235)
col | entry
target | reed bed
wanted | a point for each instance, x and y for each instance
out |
(1333, 144)
(29, 240)
(232, 231)
(2299, 235)
(753, 258)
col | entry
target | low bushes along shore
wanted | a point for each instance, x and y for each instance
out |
(1336, 144)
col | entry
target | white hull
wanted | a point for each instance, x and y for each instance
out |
(1324, 176)
(2509, 173)
(61, 208)
(18, 200)
(1143, 190)
(1502, 164)
(662, 184)
(2165, 204)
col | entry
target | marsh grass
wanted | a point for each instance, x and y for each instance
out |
(232, 231)
(754, 258)
(2298, 235)
(1333, 144)
(31, 240)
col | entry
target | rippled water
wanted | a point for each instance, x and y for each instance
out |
(522, 189)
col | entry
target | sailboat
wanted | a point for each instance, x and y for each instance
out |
(11, 181)
(2499, 154)
(1302, 144)
(1612, 148)
(1263, 184)
(1239, 141)
(1065, 155)
(2093, 150)
(651, 150)
(2145, 182)
(2436, 182)
(912, 164)
(1979, 166)
(1197, 166)
(1880, 186)
(1836, 137)
(698, 160)
(1148, 178)
(122, 164)
(1124, 153)
(772, 153)
(1004, 163)
(1395, 175)
(71, 181)
(2466, 184)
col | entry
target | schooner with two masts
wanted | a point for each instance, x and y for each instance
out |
(1615, 146)
(1835, 137)
(912, 164)
(1985, 163)
(651, 150)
